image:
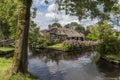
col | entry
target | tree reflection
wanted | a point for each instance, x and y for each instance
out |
(56, 56)
(109, 70)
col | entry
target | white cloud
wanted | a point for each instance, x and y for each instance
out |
(119, 1)
(41, 2)
(53, 13)
(68, 19)
(52, 8)
(37, 2)
(40, 20)
(100, 8)
(43, 19)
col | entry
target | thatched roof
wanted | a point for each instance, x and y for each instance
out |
(42, 32)
(66, 31)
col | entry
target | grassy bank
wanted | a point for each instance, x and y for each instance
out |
(6, 49)
(62, 47)
(5, 64)
(58, 46)
(115, 58)
(17, 77)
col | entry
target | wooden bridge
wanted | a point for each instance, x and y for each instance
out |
(6, 43)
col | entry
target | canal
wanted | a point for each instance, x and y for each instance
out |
(57, 65)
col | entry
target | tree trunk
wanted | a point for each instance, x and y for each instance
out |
(20, 59)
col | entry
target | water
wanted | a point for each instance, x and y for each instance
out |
(56, 65)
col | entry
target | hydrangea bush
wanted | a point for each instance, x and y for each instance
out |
(73, 44)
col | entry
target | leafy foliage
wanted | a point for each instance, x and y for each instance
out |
(54, 25)
(109, 39)
(76, 26)
(99, 31)
(88, 8)
(37, 41)
(33, 33)
(8, 18)
(43, 41)
(110, 45)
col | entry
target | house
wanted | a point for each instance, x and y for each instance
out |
(42, 32)
(65, 34)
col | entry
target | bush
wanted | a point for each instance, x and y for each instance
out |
(74, 44)
(56, 41)
(40, 41)
(70, 44)
(109, 45)
(91, 37)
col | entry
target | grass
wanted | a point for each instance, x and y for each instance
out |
(6, 49)
(5, 65)
(115, 57)
(58, 46)
(17, 77)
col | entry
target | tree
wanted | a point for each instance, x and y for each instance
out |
(34, 34)
(93, 32)
(20, 60)
(109, 45)
(76, 26)
(88, 8)
(8, 18)
(80, 29)
(109, 40)
(54, 25)
(99, 31)
(72, 25)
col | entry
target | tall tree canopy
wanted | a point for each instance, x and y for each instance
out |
(8, 18)
(99, 31)
(54, 25)
(76, 26)
(88, 8)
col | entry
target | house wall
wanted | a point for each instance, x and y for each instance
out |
(76, 38)
(60, 37)
(64, 37)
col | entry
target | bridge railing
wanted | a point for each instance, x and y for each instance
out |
(6, 43)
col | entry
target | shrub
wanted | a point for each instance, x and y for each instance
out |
(109, 45)
(74, 44)
(70, 44)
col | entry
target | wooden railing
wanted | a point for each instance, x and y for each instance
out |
(6, 43)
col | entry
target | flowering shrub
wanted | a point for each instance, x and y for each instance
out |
(73, 44)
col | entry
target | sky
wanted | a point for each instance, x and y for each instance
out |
(47, 14)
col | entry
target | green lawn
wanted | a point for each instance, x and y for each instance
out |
(6, 49)
(5, 64)
(113, 57)
(58, 46)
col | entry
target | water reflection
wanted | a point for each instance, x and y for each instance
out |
(57, 65)
(109, 70)
(55, 56)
